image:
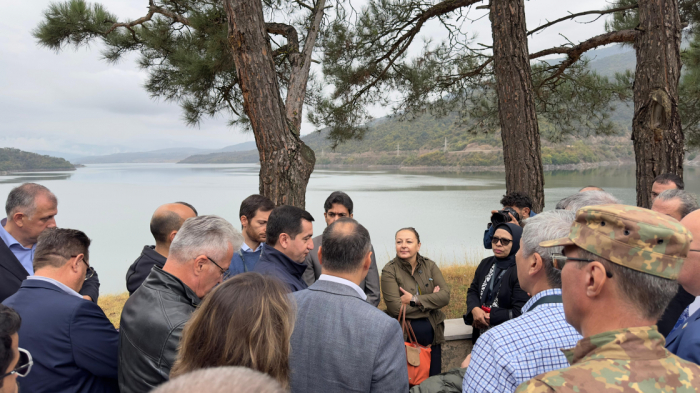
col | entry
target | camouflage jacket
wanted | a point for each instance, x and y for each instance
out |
(626, 360)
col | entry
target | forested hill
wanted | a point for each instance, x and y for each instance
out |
(15, 160)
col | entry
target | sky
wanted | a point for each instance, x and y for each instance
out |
(75, 102)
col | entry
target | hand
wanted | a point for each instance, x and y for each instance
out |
(436, 289)
(406, 297)
(513, 220)
(479, 318)
(487, 317)
(466, 361)
(86, 297)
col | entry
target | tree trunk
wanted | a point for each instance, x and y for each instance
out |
(516, 106)
(656, 127)
(286, 162)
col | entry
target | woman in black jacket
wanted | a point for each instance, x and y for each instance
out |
(495, 295)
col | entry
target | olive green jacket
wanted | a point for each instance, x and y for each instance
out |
(425, 278)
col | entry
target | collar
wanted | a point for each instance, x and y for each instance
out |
(339, 280)
(9, 239)
(406, 265)
(538, 296)
(296, 269)
(246, 248)
(639, 343)
(162, 280)
(65, 288)
(151, 253)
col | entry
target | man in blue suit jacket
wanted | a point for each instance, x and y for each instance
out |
(73, 344)
(684, 339)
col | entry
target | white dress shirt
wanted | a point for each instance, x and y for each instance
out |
(343, 281)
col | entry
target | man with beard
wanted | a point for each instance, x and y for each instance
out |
(254, 213)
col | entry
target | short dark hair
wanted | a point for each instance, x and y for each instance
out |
(670, 177)
(412, 229)
(190, 206)
(343, 250)
(340, 198)
(285, 219)
(24, 196)
(163, 224)
(251, 205)
(62, 243)
(10, 322)
(517, 199)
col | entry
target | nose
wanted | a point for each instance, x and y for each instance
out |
(52, 223)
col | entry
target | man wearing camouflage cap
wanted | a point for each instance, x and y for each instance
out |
(619, 271)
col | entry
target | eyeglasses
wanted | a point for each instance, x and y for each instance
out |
(90, 271)
(224, 273)
(559, 260)
(504, 242)
(24, 365)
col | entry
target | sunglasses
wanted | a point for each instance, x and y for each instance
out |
(504, 242)
(24, 365)
(224, 273)
(559, 260)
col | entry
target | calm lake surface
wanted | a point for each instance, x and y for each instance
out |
(113, 204)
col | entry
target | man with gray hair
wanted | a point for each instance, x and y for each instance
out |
(155, 315)
(586, 198)
(31, 208)
(340, 342)
(222, 380)
(504, 357)
(618, 270)
(677, 204)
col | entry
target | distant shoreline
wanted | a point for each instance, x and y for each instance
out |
(5, 173)
(474, 169)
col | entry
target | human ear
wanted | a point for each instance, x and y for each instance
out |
(595, 278)
(320, 261)
(244, 221)
(367, 262)
(536, 264)
(17, 219)
(172, 236)
(199, 263)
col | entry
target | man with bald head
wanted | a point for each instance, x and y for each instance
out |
(684, 339)
(165, 223)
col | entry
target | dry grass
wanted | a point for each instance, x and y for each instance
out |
(112, 306)
(458, 277)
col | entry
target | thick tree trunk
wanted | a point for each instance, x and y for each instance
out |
(286, 162)
(656, 127)
(516, 106)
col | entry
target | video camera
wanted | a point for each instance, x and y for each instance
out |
(502, 216)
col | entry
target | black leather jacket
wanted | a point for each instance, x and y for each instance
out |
(150, 330)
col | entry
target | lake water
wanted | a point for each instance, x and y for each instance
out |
(113, 203)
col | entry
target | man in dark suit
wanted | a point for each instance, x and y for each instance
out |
(339, 205)
(165, 223)
(31, 208)
(340, 342)
(684, 339)
(73, 344)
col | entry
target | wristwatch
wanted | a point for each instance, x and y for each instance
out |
(412, 303)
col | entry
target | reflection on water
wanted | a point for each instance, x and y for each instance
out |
(113, 203)
(35, 177)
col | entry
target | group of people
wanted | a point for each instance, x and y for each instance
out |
(271, 308)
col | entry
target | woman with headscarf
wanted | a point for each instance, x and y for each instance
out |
(494, 295)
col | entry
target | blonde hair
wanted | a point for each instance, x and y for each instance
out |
(246, 321)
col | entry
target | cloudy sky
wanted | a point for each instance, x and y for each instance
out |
(75, 102)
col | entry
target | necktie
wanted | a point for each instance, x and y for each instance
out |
(681, 320)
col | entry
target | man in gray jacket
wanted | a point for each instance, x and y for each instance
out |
(339, 205)
(340, 342)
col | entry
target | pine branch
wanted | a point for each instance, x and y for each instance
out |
(572, 16)
(287, 31)
(152, 10)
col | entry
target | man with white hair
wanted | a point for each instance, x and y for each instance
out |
(513, 352)
(586, 198)
(155, 315)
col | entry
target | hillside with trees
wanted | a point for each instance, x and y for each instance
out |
(15, 160)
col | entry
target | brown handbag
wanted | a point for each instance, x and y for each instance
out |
(417, 356)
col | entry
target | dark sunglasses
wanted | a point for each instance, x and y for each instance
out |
(559, 260)
(24, 365)
(224, 273)
(504, 242)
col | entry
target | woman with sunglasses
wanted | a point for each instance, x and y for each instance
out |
(494, 295)
(14, 361)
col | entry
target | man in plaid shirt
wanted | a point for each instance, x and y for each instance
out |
(516, 351)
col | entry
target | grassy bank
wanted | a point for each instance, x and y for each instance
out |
(457, 276)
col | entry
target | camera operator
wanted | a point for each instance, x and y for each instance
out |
(516, 208)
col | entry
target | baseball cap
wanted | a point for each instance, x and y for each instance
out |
(630, 236)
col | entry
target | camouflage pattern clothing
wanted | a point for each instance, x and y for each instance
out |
(625, 360)
(630, 236)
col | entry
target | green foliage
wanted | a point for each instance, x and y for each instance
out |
(689, 92)
(18, 160)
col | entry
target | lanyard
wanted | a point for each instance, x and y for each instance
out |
(550, 299)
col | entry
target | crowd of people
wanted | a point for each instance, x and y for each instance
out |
(271, 308)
